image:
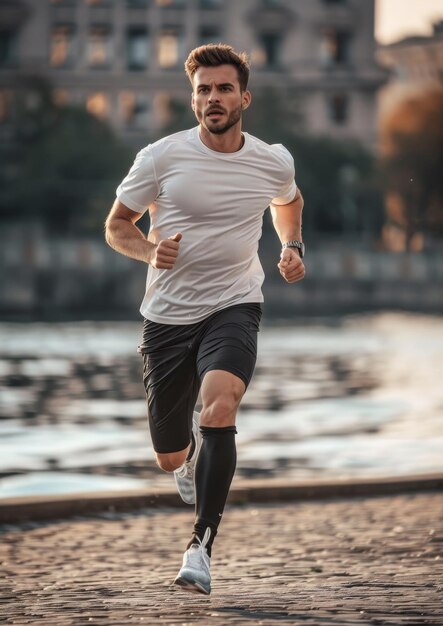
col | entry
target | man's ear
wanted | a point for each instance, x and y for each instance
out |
(192, 102)
(246, 99)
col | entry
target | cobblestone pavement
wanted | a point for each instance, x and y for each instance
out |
(360, 561)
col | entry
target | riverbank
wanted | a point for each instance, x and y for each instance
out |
(37, 508)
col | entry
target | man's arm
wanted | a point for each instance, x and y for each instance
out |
(287, 220)
(122, 234)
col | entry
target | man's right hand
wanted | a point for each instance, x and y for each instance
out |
(165, 253)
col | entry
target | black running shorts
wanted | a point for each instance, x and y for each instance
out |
(176, 358)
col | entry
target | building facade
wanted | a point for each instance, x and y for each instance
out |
(123, 59)
(415, 64)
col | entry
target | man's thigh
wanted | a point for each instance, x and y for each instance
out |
(229, 342)
(221, 394)
(171, 383)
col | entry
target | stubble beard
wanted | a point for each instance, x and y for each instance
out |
(219, 129)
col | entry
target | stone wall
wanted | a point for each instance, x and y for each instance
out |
(57, 278)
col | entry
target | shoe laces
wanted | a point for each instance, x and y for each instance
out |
(185, 471)
(198, 550)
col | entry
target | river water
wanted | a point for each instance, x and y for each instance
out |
(359, 396)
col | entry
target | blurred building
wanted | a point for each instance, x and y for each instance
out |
(123, 59)
(415, 64)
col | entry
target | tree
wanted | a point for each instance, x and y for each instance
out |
(180, 117)
(338, 179)
(62, 164)
(412, 144)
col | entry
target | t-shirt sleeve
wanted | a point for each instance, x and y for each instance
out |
(140, 187)
(288, 190)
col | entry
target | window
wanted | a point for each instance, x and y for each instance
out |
(169, 3)
(335, 47)
(60, 97)
(134, 109)
(98, 104)
(161, 105)
(62, 52)
(126, 105)
(170, 51)
(338, 108)
(209, 34)
(8, 40)
(99, 47)
(270, 44)
(137, 49)
(5, 105)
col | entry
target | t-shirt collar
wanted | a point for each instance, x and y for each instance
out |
(216, 153)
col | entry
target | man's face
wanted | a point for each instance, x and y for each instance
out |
(217, 99)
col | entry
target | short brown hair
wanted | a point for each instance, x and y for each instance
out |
(212, 55)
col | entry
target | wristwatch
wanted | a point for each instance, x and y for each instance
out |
(295, 244)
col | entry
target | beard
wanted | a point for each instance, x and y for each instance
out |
(219, 129)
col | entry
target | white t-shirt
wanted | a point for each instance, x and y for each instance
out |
(216, 200)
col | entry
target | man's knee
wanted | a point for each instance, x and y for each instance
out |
(221, 396)
(221, 411)
(171, 461)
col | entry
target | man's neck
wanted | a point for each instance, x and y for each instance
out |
(231, 141)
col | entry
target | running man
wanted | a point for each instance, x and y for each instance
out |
(206, 190)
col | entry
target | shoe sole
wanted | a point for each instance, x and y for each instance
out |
(191, 585)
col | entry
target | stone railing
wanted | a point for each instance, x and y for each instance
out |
(59, 278)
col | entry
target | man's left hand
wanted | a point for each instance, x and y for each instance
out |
(291, 265)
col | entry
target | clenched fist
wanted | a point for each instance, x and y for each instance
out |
(165, 253)
(291, 266)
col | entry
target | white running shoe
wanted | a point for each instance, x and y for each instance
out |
(195, 574)
(184, 475)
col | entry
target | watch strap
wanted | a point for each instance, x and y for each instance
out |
(294, 243)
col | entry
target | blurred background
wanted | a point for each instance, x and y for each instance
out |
(348, 379)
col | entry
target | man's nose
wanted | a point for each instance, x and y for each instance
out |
(213, 96)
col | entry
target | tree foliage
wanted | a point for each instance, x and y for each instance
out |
(61, 164)
(412, 143)
(338, 179)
